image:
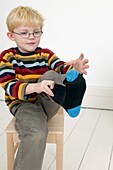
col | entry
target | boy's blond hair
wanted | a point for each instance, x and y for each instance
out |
(24, 15)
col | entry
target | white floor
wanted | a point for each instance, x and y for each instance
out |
(88, 141)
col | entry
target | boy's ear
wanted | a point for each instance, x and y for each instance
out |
(10, 36)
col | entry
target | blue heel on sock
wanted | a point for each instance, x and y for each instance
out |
(71, 75)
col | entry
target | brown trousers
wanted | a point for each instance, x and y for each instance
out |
(31, 125)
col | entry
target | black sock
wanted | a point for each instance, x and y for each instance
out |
(70, 96)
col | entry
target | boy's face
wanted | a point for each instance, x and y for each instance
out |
(26, 38)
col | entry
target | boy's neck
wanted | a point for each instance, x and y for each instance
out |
(27, 54)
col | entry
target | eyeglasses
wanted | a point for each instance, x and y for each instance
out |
(26, 34)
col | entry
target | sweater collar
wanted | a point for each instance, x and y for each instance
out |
(27, 54)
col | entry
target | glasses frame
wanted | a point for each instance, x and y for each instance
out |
(28, 34)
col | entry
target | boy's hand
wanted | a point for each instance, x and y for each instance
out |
(44, 86)
(79, 64)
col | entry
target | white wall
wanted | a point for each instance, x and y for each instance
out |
(72, 27)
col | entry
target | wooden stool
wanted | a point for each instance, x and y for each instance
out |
(55, 135)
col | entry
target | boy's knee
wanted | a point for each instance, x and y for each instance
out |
(50, 72)
(49, 75)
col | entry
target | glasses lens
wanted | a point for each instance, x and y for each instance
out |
(25, 34)
(37, 33)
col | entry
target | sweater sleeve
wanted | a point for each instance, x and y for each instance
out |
(57, 64)
(12, 86)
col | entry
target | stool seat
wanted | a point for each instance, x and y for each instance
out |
(55, 135)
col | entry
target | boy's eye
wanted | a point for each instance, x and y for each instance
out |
(24, 33)
(37, 32)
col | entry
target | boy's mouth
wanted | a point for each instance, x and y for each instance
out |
(30, 43)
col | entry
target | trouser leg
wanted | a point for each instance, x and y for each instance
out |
(50, 107)
(52, 75)
(31, 125)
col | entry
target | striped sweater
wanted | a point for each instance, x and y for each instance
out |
(18, 69)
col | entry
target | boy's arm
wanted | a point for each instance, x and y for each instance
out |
(62, 67)
(12, 86)
(55, 63)
(19, 89)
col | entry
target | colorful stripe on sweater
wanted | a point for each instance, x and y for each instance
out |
(18, 69)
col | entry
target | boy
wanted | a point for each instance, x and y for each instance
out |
(33, 79)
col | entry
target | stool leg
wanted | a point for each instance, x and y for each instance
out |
(59, 152)
(10, 151)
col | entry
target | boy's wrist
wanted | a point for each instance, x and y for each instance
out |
(30, 88)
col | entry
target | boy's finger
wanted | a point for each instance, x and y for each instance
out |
(81, 56)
